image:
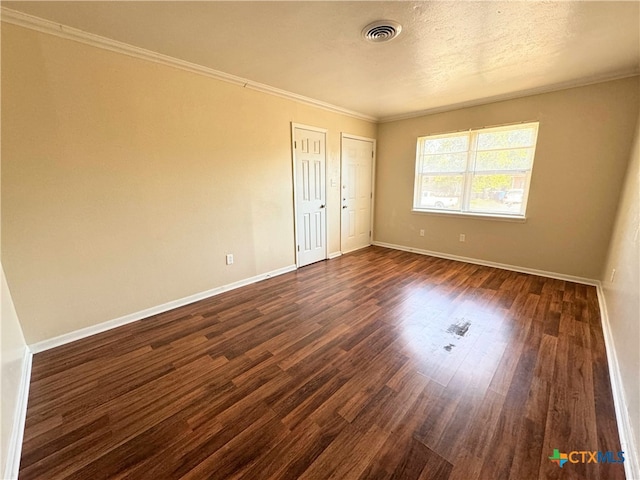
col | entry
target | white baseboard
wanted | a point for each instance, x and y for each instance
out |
(627, 441)
(486, 263)
(339, 254)
(133, 317)
(17, 433)
(344, 252)
(631, 464)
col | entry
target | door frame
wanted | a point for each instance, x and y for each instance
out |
(344, 135)
(295, 191)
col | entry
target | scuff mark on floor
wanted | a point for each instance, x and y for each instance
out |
(459, 328)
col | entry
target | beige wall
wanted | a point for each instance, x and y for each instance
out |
(13, 356)
(622, 295)
(125, 182)
(583, 145)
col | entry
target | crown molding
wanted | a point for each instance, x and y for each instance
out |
(25, 20)
(556, 87)
(31, 22)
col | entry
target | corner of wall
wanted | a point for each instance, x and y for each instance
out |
(16, 375)
(14, 446)
(619, 299)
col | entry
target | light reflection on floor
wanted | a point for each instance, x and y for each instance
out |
(442, 336)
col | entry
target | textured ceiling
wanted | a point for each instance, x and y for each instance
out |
(449, 53)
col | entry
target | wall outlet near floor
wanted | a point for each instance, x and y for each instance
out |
(229, 258)
(613, 274)
(422, 232)
(463, 237)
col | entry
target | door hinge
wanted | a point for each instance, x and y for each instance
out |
(369, 233)
(298, 247)
(295, 144)
(371, 153)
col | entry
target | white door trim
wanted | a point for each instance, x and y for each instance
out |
(307, 127)
(373, 179)
(357, 137)
(293, 180)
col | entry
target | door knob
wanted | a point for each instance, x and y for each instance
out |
(344, 206)
(321, 206)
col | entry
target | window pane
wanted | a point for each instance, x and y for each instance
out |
(446, 145)
(502, 193)
(483, 171)
(520, 159)
(448, 162)
(440, 192)
(523, 137)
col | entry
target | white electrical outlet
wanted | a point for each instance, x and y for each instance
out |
(422, 232)
(229, 258)
(463, 237)
(613, 274)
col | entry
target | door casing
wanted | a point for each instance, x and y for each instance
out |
(296, 227)
(342, 182)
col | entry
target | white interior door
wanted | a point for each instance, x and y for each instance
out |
(311, 219)
(357, 193)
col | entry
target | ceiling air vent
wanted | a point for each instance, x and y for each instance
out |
(381, 31)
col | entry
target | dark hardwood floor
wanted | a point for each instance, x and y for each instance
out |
(376, 365)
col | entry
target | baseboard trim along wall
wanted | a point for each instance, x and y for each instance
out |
(503, 266)
(133, 317)
(627, 442)
(14, 449)
(631, 465)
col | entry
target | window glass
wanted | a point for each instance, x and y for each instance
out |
(483, 171)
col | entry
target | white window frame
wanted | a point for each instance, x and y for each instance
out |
(468, 174)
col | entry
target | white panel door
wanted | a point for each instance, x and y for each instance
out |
(357, 166)
(311, 209)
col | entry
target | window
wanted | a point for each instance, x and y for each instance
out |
(478, 172)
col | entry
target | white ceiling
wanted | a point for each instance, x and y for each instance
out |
(449, 54)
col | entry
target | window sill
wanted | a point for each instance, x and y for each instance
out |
(480, 216)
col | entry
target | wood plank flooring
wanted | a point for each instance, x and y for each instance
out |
(379, 364)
